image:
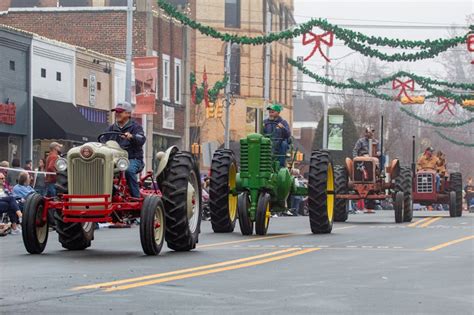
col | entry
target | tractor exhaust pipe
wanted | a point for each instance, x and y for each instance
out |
(413, 162)
(382, 159)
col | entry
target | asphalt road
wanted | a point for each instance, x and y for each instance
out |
(368, 265)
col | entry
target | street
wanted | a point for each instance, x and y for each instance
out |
(368, 265)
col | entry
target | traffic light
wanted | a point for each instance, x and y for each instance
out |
(210, 112)
(468, 103)
(219, 110)
(196, 149)
(412, 100)
(299, 156)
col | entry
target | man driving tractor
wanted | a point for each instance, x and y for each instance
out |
(279, 130)
(428, 161)
(132, 139)
(361, 147)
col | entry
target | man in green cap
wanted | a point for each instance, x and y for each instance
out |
(279, 130)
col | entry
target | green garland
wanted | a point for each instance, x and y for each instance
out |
(437, 124)
(213, 92)
(369, 87)
(352, 39)
(453, 141)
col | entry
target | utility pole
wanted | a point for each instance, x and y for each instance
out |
(228, 55)
(128, 53)
(268, 57)
(325, 106)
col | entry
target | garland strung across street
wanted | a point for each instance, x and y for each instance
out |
(198, 94)
(354, 40)
(437, 124)
(453, 141)
(370, 87)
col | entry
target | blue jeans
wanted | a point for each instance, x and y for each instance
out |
(135, 167)
(9, 206)
(50, 190)
(281, 147)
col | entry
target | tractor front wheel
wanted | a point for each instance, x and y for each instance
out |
(263, 214)
(403, 183)
(222, 195)
(35, 229)
(182, 195)
(398, 206)
(341, 212)
(73, 236)
(453, 204)
(246, 225)
(321, 192)
(152, 225)
(455, 182)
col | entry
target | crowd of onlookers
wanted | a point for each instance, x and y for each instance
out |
(17, 182)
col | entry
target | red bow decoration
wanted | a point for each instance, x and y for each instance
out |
(447, 103)
(470, 44)
(326, 38)
(206, 91)
(403, 86)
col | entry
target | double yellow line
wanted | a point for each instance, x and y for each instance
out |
(131, 283)
(425, 222)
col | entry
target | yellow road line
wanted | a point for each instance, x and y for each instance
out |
(433, 220)
(244, 240)
(440, 246)
(419, 221)
(211, 271)
(159, 275)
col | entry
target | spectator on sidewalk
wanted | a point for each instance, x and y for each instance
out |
(39, 179)
(29, 165)
(23, 188)
(54, 152)
(9, 206)
(12, 175)
(3, 166)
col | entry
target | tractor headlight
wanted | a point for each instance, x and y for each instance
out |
(61, 165)
(122, 164)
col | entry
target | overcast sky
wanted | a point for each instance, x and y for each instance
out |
(381, 12)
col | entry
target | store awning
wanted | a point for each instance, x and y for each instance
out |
(62, 121)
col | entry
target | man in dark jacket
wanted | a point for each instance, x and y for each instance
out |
(279, 130)
(132, 140)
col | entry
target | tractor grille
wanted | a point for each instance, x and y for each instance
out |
(244, 156)
(87, 177)
(364, 171)
(266, 157)
(424, 183)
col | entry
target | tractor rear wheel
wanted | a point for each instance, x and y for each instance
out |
(181, 190)
(263, 214)
(321, 192)
(403, 183)
(73, 235)
(453, 209)
(455, 183)
(246, 225)
(222, 198)
(398, 206)
(152, 225)
(35, 229)
(341, 212)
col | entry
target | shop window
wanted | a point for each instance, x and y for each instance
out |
(12, 65)
(43, 73)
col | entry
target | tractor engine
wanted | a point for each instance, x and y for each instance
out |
(363, 169)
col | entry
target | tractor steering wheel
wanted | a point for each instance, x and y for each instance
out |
(101, 139)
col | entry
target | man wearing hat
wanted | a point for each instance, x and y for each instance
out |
(132, 140)
(279, 130)
(361, 147)
(54, 152)
(428, 161)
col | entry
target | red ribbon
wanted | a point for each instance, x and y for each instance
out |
(326, 38)
(470, 43)
(447, 103)
(403, 86)
(206, 91)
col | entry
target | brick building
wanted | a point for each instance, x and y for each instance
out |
(101, 26)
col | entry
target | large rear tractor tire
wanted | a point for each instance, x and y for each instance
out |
(152, 225)
(341, 212)
(35, 229)
(263, 214)
(403, 183)
(74, 235)
(452, 204)
(181, 190)
(321, 192)
(222, 198)
(398, 206)
(246, 225)
(455, 183)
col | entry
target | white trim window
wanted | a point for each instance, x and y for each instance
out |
(166, 78)
(177, 81)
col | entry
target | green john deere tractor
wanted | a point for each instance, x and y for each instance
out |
(261, 187)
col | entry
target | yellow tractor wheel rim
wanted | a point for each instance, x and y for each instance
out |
(268, 214)
(232, 198)
(330, 193)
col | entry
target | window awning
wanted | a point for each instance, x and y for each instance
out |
(60, 120)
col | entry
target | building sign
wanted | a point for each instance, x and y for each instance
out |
(168, 117)
(92, 89)
(8, 114)
(335, 131)
(146, 78)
